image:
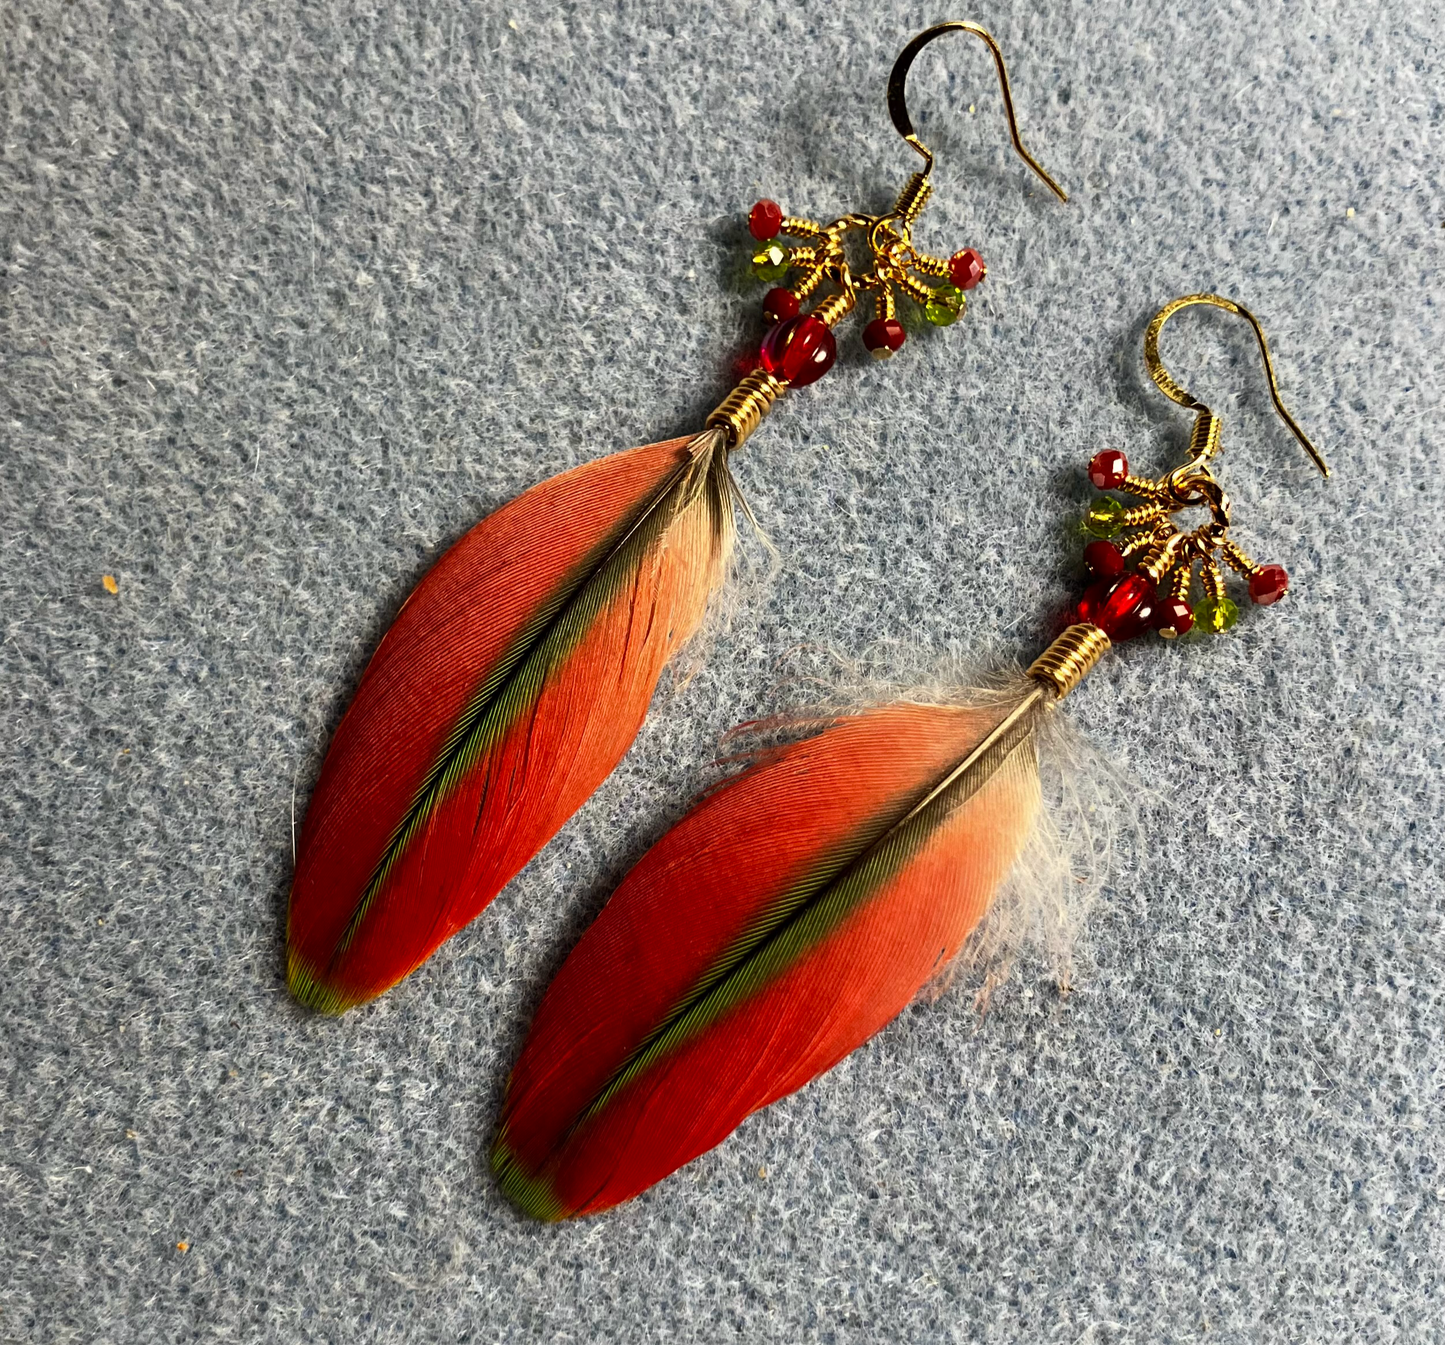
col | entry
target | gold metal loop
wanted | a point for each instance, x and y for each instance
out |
(898, 107)
(1182, 397)
(1192, 484)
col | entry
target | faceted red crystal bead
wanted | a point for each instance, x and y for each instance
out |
(764, 220)
(965, 269)
(1268, 584)
(883, 336)
(800, 350)
(779, 305)
(1174, 617)
(1104, 559)
(1108, 469)
(1122, 608)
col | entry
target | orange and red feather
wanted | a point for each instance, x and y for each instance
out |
(367, 907)
(778, 926)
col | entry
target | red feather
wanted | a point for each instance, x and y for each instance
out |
(785, 920)
(512, 682)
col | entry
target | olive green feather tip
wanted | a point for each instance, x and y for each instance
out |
(308, 988)
(533, 1196)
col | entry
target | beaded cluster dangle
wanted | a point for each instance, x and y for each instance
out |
(897, 265)
(1142, 562)
(799, 347)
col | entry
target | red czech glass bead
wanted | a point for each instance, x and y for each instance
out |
(1175, 617)
(965, 269)
(779, 305)
(1104, 559)
(1268, 584)
(1122, 608)
(800, 350)
(1108, 469)
(883, 336)
(764, 220)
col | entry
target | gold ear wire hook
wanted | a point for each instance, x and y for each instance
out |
(898, 108)
(1207, 430)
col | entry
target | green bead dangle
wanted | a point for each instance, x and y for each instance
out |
(771, 262)
(945, 306)
(1105, 517)
(1215, 615)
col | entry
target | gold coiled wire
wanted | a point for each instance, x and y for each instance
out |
(810, 281)
(743, 409)
(936, 267)
(832, 310)
(1204, 440)
(1064, 664)
(911, 200)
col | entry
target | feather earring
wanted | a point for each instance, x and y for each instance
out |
(519, 671)
(803, 904)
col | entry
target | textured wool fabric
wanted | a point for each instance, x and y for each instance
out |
(293, 294)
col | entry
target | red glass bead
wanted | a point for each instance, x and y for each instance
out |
(744, 364)
(779, 305)
(1108, 469)
(1093, 599)
(764, 220)
(966, 269)
(1175, 617)
(883, 336)
(1122, 608)
(800, 350)
(1104, 559)
(1268, 584)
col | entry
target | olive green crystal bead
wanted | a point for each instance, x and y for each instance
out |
(770, 262)
(945, 305)
(1104, 517)
(1215, 616)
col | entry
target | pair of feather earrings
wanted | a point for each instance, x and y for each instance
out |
(800, 907)
(519, 671)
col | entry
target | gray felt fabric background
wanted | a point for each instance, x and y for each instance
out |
(294, 293)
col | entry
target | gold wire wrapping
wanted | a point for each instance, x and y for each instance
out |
(937, 268)
(832, 310)
(1143, 489)
(743, 409)
(1066, 662)
(1141, 516)
(810, 282)
(1204, 440)
(797, 227)
(892, 256)
(1233, 555)
(911, 200)
(1212, 577)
